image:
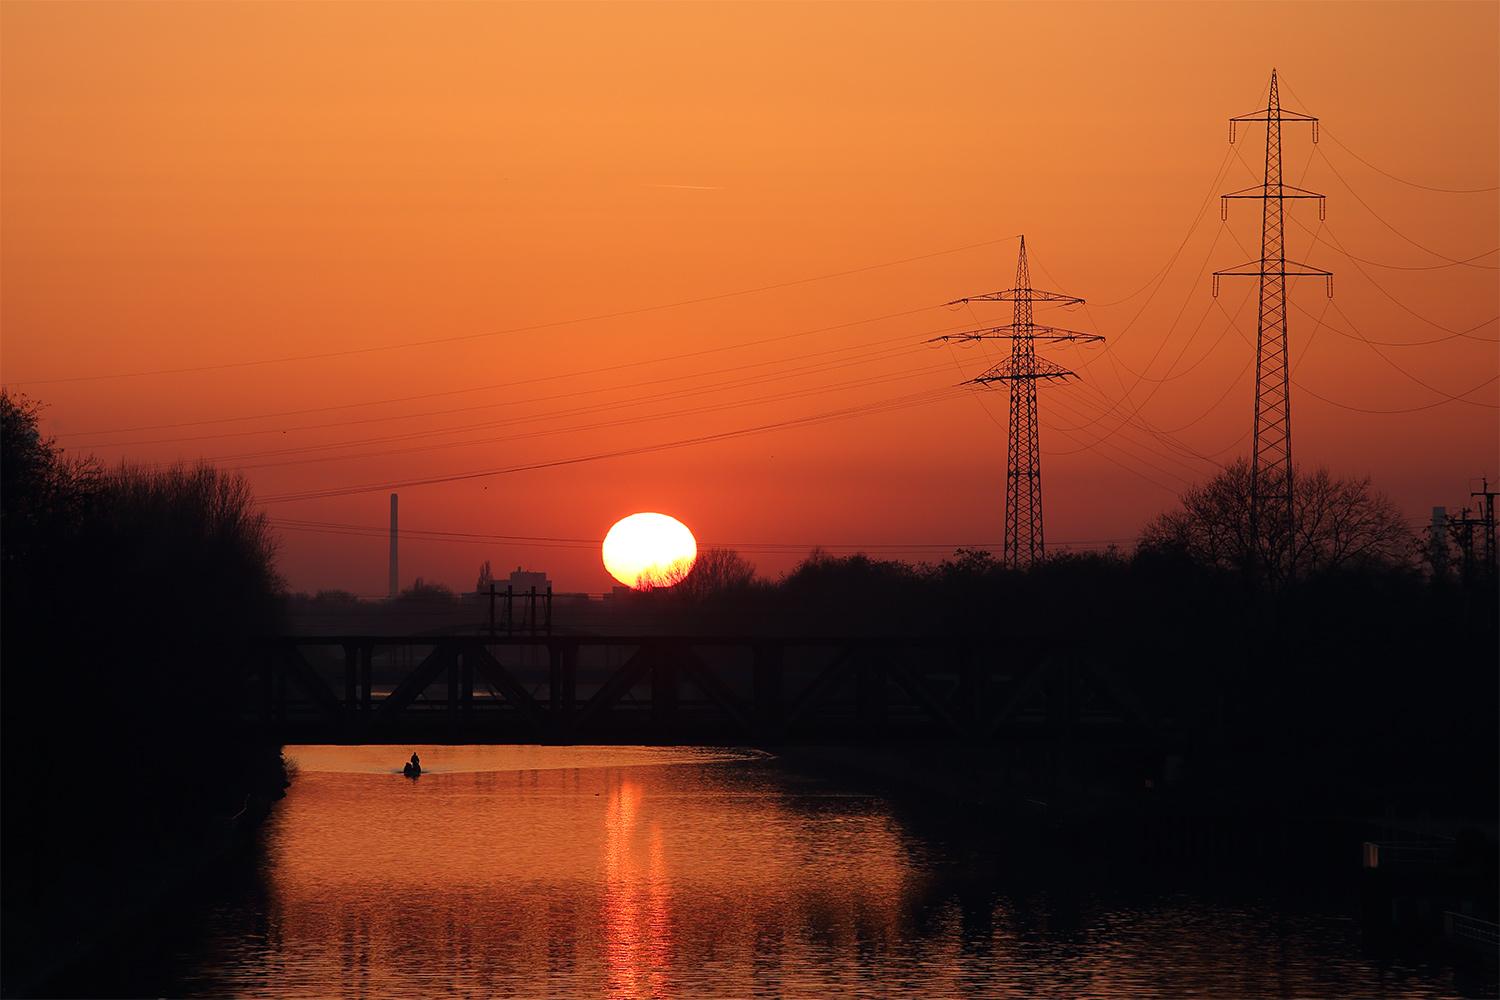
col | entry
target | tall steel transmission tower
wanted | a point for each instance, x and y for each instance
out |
(1272, 516)
(1022, 370)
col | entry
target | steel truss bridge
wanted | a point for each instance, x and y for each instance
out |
(683, 690)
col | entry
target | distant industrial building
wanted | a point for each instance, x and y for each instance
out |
(523, 580)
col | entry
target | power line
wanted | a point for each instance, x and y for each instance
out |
(1192, 228)
(1402, 180)
(894, 403)
(1386, 173)
(598, 425)
(1410, 409)
(885, 351)
(1403, 371)
(1383, 222)
(1383, 291)
(511, 330)
(1113, 355)
(469, 537)
(519, 382)
(1338, 248)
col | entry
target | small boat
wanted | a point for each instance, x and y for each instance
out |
(413, 767)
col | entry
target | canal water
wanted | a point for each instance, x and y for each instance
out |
(697, 873)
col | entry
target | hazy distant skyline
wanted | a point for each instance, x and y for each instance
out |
(366, 245)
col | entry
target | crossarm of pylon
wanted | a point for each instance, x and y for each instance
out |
(1014, 369)
(1040, 332)
(1009, 331)
(1258, 269)
(1263, 193)
(1022, 295)
(1290, 268)
(1264, 115)
(1260, 191)
(986, 333)
(1282, 114)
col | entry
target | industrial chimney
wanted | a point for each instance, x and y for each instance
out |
(395, 576)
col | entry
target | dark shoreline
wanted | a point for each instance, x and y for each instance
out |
(125, 913)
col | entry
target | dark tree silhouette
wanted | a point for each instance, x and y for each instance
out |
(1339, 524)
(851, 591)
(718, 574)
(658, 577)
(338, 598)
(122, 684)
(43, 494)
(421, 590)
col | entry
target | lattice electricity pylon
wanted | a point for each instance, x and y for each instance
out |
(1271, 491)
(1023, 467)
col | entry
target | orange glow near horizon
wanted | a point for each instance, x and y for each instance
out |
(532, 265)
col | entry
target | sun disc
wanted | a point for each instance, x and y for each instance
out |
(649, 550)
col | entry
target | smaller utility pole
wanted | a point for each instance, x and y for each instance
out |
(1461, 531)
(1438, 541)
(1487, 518)
(395, 587)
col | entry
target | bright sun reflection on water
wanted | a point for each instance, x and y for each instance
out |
(606, 867)
(636, 872)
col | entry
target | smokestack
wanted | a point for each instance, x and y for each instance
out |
(395, 576)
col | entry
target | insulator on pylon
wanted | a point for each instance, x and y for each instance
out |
(1216, 286)
(1315, 131)
(1322, 208)
(1223, 209)
(1330, 286)
(1231, 133)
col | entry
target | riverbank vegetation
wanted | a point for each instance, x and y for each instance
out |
(128, 596)
(1359, 676)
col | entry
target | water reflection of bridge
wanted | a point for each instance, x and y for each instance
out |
(683, 690)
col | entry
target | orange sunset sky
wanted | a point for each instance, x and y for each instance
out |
(463, 251)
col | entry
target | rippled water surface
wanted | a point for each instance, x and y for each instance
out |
(639, 872)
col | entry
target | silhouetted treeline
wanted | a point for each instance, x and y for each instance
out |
(1353, 678)
(128, 594)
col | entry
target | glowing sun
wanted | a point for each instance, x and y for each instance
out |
(649, 550)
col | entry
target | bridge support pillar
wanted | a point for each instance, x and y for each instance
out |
(466, 687)
(562, 678)
(366, 670)
(1062, 717)
(869, 681)
(769, 669)
(453, 691)
(664, 689)
(972, 675)
(351, 680)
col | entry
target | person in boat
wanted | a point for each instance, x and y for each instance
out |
(416, 765)
(407, 770)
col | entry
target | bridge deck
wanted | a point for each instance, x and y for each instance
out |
(682, 689)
